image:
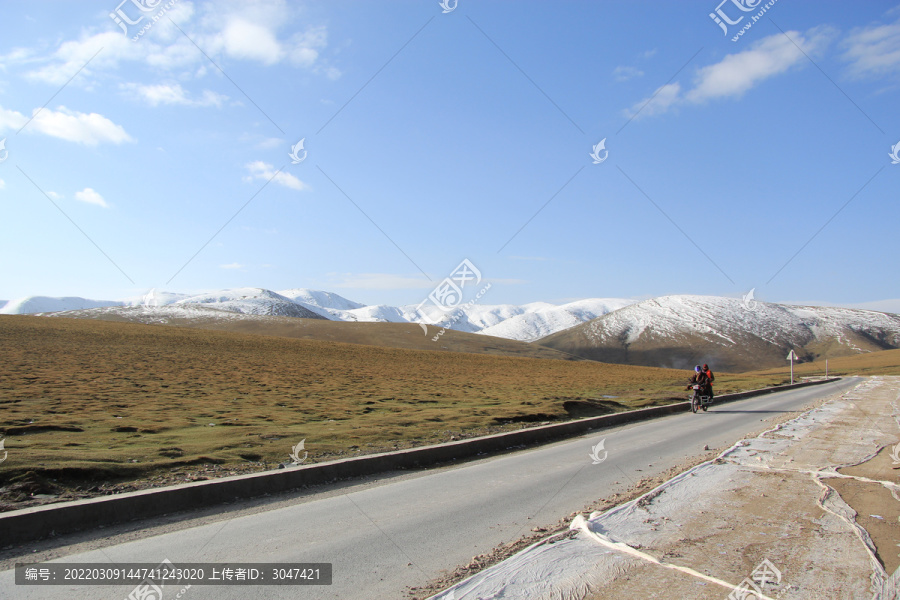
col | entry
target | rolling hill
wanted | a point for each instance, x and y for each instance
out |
(389, 335)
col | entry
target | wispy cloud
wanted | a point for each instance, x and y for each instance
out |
(737, 73)
(262, 170)
(873, 51)
(232, 266)
(2, 184)
(91, 197)
(269, 143)
(623, 73)
(660, 102)
(172, 94)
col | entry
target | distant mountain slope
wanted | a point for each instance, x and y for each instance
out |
(250, 301)
(548, 319)
(327, 304)
(681, 331)
(42, 304)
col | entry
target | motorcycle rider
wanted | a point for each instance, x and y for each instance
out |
(699, 378)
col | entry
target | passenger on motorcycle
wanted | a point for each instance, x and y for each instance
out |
(711, 377)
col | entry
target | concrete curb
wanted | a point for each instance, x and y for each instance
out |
(35, 523)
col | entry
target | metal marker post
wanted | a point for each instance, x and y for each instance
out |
(792, 357)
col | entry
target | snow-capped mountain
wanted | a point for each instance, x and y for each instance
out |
(319, 302)
(248, 301)
(547, 319)
(680, 331)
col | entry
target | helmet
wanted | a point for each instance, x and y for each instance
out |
(697, 368)
(705, 367)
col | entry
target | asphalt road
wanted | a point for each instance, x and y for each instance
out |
(404, 531)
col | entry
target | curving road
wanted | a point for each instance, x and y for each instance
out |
(400, 532)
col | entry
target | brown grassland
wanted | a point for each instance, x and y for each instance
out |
(89, 403)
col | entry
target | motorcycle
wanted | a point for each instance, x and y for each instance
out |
(698, 399)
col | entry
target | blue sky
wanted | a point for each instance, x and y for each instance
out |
(431, 137)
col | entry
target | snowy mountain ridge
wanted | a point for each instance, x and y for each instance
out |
(526, 322)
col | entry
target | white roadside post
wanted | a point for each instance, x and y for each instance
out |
(792, 357)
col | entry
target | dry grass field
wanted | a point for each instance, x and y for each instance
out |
(86, 404)
(885, 362)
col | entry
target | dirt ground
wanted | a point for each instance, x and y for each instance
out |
(816, 504)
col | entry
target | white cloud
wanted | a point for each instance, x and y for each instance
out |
(332, 73)
(261, 170)
(89, 129)
(873, 51)
(54, 195)
(625, 73)
(240, 30)
(2, 184)
(251, 41)
(91, 197)
(232, 266)
(770, 56)
(172, 93)
(103, 50)
(269, 143)
(11, 119)
(737, 73)
(661, 101)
